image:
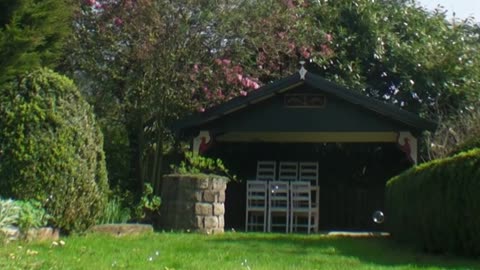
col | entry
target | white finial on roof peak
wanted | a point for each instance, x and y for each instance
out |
(302, 70)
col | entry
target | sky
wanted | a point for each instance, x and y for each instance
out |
(462, 8)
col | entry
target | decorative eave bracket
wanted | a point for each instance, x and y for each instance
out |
(302, 70)
(202, 142)
(408, 144)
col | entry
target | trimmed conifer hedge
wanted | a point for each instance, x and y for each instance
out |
(436, 205)
(51, 150)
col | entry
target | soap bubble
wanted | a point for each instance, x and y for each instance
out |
(245, 264)
(378, 217)
(274, 189)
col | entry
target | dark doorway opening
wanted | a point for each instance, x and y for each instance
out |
(352, 178)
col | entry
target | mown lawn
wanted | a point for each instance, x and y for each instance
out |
(229, 251)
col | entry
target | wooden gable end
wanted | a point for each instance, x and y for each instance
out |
(304, 109)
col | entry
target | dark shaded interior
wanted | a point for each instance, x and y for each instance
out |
(352, 178)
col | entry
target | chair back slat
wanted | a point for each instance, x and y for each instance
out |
(266, 170)
(288, 171)
(308, 171)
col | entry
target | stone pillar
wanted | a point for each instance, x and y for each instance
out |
(193, 202)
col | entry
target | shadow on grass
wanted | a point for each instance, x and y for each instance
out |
(381, 251)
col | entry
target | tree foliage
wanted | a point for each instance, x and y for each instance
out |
(456, 133)
(32, 34)
(391, 50)
(137, 74)
(52, 150)
(144, 64)
(399, 52)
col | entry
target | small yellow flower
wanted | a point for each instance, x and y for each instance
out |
(32, 252)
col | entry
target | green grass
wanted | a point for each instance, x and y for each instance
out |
(228, 251)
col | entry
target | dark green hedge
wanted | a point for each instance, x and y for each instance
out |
(436, 205)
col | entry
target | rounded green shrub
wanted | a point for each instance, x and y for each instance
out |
(436, 205)
(51, 149)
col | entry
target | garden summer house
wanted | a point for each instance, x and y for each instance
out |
(303, 128)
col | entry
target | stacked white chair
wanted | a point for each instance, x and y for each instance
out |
(289, 202)
(256, 209)
(278, 205)
(301, 214)
(257, 196)
(308, 171)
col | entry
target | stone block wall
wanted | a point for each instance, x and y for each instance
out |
(193, 202)
(35, 234)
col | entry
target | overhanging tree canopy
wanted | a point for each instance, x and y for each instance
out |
(155, 60)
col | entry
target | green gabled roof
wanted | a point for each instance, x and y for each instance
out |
(315, 82)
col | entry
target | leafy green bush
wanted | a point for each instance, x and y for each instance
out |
(9, 213)
(148, 206)
(114, 212)
(22, 214)
(51, 149)
(122, 208)
(196, 164)
(436, 205)
(32, 215)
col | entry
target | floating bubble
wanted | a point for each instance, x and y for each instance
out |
(245, 264)
(274, 189)
(378, 217)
